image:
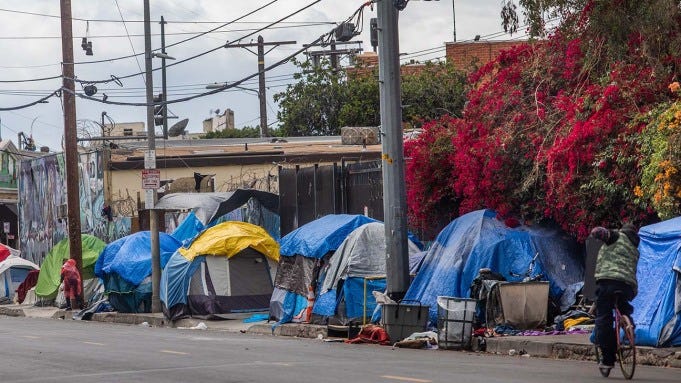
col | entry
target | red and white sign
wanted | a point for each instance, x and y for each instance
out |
(151, 178)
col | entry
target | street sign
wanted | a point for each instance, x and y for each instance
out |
(150, 159)
(151, 179)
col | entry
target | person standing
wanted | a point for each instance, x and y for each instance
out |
(615, 276)
(72, 284)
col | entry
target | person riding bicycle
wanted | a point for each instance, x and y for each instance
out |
(615, 275)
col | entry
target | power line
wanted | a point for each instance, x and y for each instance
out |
(208, 51)
(323, 38)
(141, 21)
(185, 40)
(132, 46)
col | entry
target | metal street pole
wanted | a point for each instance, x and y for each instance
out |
(70, 138)
(261, 80)
(454, 18)
(163, 78)
(150, 163)
(394, 191)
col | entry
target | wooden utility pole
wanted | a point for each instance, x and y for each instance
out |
(70, 138)
(150, 163)
(261, 76)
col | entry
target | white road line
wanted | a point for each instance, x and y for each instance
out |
(174, 352)
(30, 337)
(406, 379)
(94, 343)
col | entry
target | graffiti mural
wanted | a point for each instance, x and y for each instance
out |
(42, 204)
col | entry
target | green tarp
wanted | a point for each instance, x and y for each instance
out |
(50, 270)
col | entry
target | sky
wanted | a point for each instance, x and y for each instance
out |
(30, 48)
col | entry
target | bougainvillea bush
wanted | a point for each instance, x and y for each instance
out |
(558, 129)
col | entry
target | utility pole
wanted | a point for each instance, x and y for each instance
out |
(150, 163)
(163, 78)
(261, 88)
(262, 95)
(333, 53)
(394, 191)
(454, 18)
(70, 138)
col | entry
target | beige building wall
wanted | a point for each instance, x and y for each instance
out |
(128, 183)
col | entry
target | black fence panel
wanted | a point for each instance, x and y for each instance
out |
(288, 200)
(306, 194)
(364, 189)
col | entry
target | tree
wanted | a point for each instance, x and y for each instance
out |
(311, 106)
(245, 132)
(578, 127)
(323, 100)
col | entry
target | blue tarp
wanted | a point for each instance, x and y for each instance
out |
(315, 239)
(130, 257)
(479, 240)
(188, 229)
(657, 308)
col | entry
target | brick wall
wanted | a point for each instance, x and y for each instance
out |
(462, 55)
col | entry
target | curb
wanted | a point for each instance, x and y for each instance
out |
(290, 329)
(648, 356)
(12, 312)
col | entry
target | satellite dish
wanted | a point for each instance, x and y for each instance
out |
(178, 129)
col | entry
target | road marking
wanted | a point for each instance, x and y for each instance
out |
(405, 379)
(174, 352)
(94, 343)
(30, 337)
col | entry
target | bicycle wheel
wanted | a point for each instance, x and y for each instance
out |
(626, 352)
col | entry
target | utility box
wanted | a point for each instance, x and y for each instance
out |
(362, 135)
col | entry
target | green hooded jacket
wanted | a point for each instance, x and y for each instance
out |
(618, 261)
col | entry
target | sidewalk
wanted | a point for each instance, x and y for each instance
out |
(576, 347)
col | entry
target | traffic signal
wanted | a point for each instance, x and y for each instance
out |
(159, 110)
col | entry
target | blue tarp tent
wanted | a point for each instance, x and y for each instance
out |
(125, 266)
(301, 251)
(657, 307)
(321, 236)
(355, 270)
(190, 227)
(479, 240)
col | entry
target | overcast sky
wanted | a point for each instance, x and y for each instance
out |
(30, 48)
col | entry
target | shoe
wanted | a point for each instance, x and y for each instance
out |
(608, 366)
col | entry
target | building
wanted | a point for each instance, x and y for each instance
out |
(135, 130)
(219, 122)
(465, 55)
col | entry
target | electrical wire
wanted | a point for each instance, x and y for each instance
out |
(325, 38)
(39, 101)
(208, 51)
(132, 46)
(185, 40)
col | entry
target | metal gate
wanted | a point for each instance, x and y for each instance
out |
(306, 194)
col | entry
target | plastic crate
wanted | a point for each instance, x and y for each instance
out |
(400, 320)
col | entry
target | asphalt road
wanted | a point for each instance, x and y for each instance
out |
(45, 350)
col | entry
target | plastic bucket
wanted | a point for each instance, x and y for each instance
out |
(455, 322)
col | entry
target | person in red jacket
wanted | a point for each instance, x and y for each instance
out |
(72, 283)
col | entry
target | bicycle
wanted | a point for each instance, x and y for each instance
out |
(626, 345)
